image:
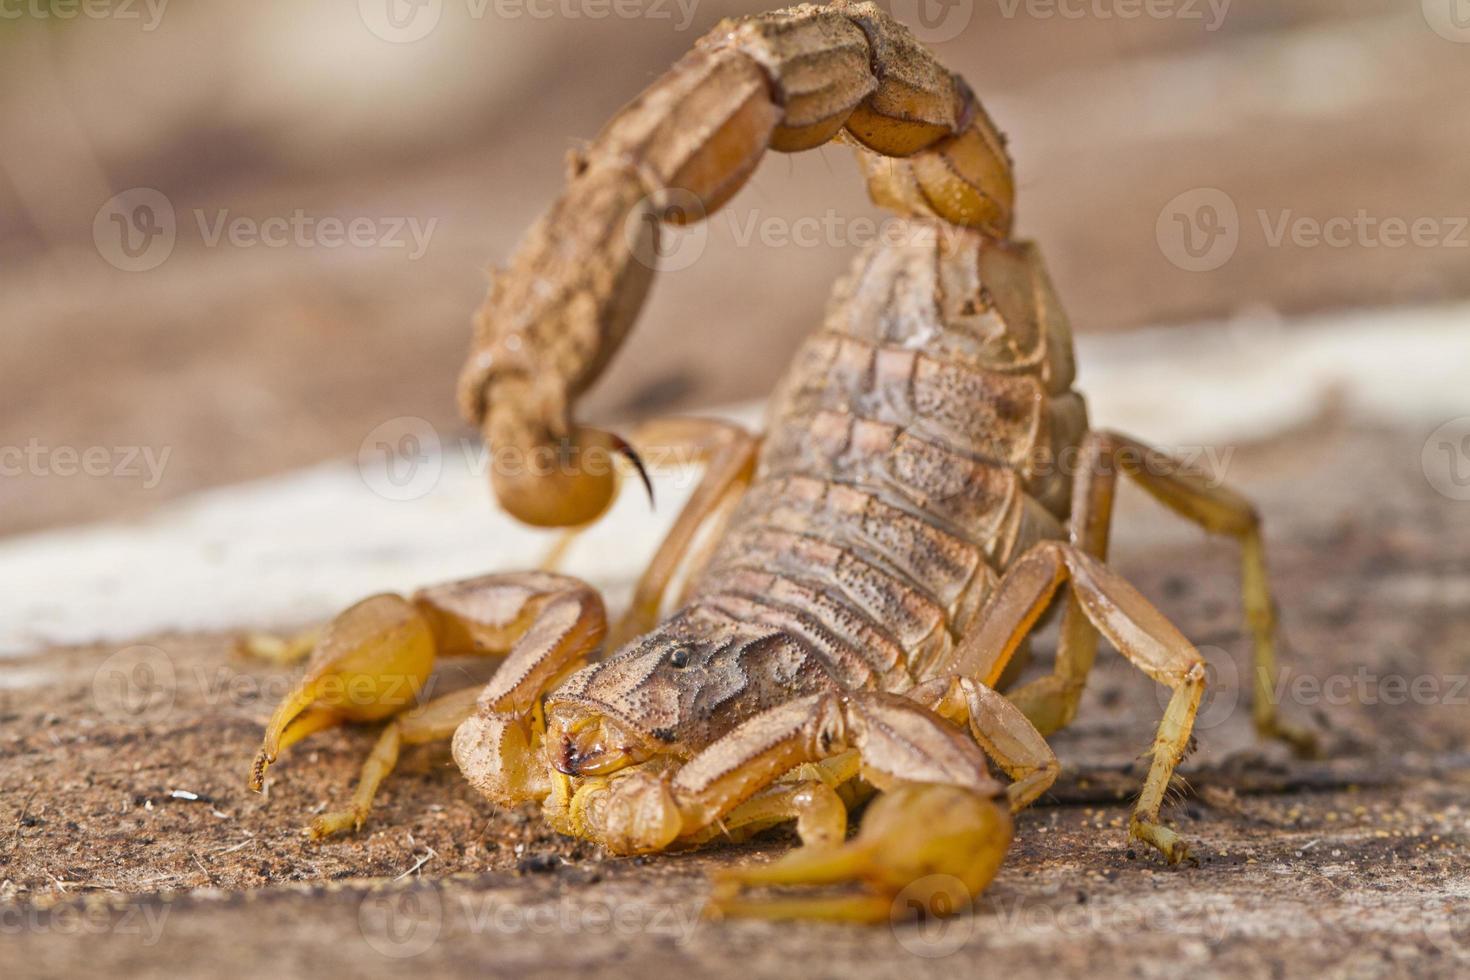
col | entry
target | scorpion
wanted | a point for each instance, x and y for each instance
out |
(858, 585)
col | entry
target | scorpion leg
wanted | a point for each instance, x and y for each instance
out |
(1052, 701)
(1138, 631)
(282, 651)
(434, 721)
(815, 795)
(374, 660)
(728, 453)
(939, 824)
(1000, 728)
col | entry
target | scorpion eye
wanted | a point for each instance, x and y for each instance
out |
(679, 659)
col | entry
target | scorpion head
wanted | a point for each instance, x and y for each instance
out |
(671, 692)
(616, 729)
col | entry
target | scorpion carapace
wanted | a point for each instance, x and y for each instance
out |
(861, 580)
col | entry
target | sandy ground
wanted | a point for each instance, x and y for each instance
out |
(128, 842)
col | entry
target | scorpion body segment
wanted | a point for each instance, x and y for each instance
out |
(862, 580)
(909, 459)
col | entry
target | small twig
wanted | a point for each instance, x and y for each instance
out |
(208, 876)
(21, 820)
(418, 864)
(236, 847)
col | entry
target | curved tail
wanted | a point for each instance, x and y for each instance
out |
(787, 80)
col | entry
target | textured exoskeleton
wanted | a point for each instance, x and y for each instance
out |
(861, 580)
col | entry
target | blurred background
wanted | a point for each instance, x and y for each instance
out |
(245, 233)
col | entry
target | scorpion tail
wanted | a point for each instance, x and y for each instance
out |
(787, 81)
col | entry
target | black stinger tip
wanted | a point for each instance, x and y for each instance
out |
(626, 448)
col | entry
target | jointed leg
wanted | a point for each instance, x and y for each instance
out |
(938, 818)
(1002, 731)
(1052, 701)
(282, 651)
(374, 660)
(431, 722)
(1131, 624)
(815, 795)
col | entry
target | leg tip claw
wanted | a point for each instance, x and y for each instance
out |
(337, 822)
(257, 771)
(1165, 841)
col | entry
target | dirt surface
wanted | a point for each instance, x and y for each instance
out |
(128, 843)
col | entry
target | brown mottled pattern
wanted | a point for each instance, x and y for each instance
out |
(910, 455)
(737, 667)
